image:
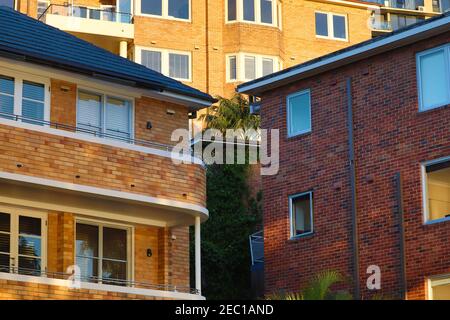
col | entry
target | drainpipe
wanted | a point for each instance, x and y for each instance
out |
(198, 271)
(351, 150)
(401, 225)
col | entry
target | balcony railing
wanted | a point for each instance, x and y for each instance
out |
(87, 13)
(381, 25)
(98, 280)
(401, 4)
(96, 133)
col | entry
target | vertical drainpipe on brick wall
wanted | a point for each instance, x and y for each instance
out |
(351, 150)
(401, 223)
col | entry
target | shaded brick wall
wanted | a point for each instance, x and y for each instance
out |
(390, 136)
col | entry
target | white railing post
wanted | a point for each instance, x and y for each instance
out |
(198, 271)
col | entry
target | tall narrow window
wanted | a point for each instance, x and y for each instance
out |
(30, 241)
(89, 112)
(266, 11)
(321, 24)
(153, 7)
(249, 10)
(339, 28)
(267, 66)
(438, 190)
(151, 59)
(6, 96)
(232, 13)
(301, 214)
(434, 78)
(179, 9)
(87, 252)
(232, 67)
(250, 67)
(33, 95)
(5, 241)
(299, 113)
(178, 66)
(118, 118)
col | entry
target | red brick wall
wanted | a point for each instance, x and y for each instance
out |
(390, 136)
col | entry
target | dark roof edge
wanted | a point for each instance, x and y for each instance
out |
(430, 27)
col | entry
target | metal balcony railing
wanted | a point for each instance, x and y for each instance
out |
(92, 279)
(257, 247)
(78, 11)
(381, 25)
(119, 136)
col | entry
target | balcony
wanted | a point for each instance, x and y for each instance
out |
(381, 26)
(103, 27)
(22, 283)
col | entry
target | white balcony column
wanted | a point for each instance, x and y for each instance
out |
(198, 271)
(123, 49)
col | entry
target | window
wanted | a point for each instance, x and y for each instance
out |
(102, 252)
(176, 65)
(331, 26)
(299, 113)
(253, 11)
(440, 288)
(22, 242)
(434, 78)
(7, 3)
(175, 9)
(104, 116)
(245, 67)
(42, 5)
(29, 99)
(437, 190)
(301, 214)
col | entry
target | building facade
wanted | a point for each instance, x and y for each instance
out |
(364, 179)
(92, 205)
(215, 45)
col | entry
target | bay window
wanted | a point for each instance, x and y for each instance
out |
(331, 26)
(254, 11)
(173, 64)
(245, 66)
(175, 9)
(104, 116)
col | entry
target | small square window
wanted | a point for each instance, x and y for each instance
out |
(301, 214)
(179, 9)
(179, 66)
(437, 179)
(299, 113)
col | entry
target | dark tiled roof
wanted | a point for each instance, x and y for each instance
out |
(26, 38)
(347, 49)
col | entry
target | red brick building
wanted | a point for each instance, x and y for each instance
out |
(385, 178)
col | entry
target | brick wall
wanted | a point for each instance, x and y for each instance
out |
(390, 136)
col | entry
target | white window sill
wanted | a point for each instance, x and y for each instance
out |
(253, 23)
(331, 38)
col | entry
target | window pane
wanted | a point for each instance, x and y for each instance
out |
(441, 292)
(249, 10)
(28, 265)
(434, 83)
(438, 187)
(4, 262)
(250, 68)
(89, 111)
(7, 3)
(88, 268)
(6, 85)
(41, 7)
(6, 95)
(179, 9)
(267, 67)
(231, 10)
(321, 24)
(5, 223)
(114, 244)
(33, 101)
(233, 70)
(30, 246)
(299, 113)
(80, 12)
(115, 270)
(266, 11)
(118, 118)
(151, 7)
(339, 27)
(151, 59)
(87, 240)
(179, 66)
(301, 215)
(4, 242)
(29, 226)
(125, 11)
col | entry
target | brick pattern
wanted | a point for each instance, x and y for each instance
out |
(390, 136)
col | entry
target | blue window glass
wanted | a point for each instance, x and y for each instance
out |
(249, 10)
(321, 24)
(7, 3)
(151, 7)
(33, 101)
(299, 113)
(6, 96)
(266, 11)
(179, 9)
(232, 10)
(339, 28)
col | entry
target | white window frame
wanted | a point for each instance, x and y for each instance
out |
(288, 114)
(165, 59)
(291, 215)
(19, 78)
(14, 213)
(115, 225)
(165, 12)
(437, 281)
(425, 207)
(419, 55)
(104, 95)
(240, 65)
(276, 14)
(330, 26)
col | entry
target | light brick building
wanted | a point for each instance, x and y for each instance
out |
(86, 174)
(214, 45)
(364, 179)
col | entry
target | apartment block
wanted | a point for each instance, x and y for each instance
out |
(364, 179)
(215, 45)
(92, 204)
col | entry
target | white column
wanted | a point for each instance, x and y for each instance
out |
(123, 49)
(198, 271)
